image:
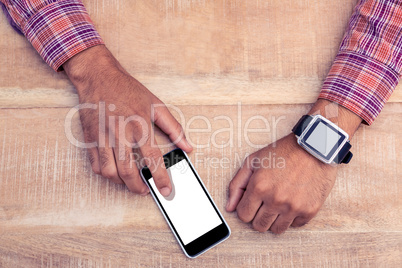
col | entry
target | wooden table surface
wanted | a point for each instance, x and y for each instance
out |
(258, 63)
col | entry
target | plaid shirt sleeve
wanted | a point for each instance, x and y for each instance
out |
(57, 29)
(368, 65)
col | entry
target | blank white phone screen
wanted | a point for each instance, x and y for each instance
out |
(188, 207)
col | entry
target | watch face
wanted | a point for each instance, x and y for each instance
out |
(323, 139)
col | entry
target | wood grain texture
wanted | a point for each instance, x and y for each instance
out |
(55, 212)
(214, 52)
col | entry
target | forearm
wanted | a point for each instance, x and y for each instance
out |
(57, 29)
(369, 62)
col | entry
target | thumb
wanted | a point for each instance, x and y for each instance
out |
(168, 124)
(238, 185)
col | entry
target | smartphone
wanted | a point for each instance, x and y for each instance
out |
(189, 210)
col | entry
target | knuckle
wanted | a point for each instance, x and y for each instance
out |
(126, 172)
(300, 221)
(305, 221)
(261, 188)
(310, 212)
(153, 154)
(96, 169)
(295, 207)
(109, 173)
(297, 224)
(242, 216)
(92, 158)
(259, 228)
(178, 127)
(106, 173)
(232, 186)
(242, 210)
(117, 181)
(247, 161)
(265, 220)
(138, 189)
(104, 159)
(280, 199)
(279, 228)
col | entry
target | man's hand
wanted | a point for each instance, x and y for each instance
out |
(126, 122)
(274, 198)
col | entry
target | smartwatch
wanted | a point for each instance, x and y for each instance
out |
(323, 139)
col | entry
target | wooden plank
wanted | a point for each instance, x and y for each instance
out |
(244, 249)
(54, 211)
(204, 52)
(177, 90)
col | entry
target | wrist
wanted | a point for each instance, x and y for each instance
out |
(87, 67)
(298, 153)
(343, 117)
(325, 133)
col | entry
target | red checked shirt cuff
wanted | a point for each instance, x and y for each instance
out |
(61, 30)
(360, 84)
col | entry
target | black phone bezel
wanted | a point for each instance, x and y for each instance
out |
(208, 239)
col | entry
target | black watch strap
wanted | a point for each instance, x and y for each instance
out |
(302, 124)
(344, 156)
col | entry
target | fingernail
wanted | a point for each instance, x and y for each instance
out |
(165, 191)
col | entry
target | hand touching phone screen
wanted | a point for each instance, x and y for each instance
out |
(189, 210)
